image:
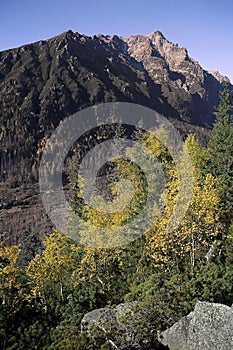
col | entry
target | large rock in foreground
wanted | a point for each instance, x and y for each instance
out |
(123, 327)
(208, 327)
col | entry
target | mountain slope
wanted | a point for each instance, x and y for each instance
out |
(42, 83)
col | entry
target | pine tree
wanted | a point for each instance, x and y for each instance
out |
(220, 149)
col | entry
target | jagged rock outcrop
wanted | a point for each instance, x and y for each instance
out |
(183, 81)
(208, 327)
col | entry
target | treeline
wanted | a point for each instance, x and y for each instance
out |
(164, 272)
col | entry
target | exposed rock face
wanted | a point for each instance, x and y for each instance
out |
(183, 81)
(208, 327)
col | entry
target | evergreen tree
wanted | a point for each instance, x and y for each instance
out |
(220, 149)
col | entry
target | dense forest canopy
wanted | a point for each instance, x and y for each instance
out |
(164, 273)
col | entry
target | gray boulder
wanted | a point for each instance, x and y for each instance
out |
(208, 327)
(122, 326)
(119, 316)
(113, 323)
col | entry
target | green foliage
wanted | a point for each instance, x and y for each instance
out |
(165, 274)
(199, 156)
(220, 149)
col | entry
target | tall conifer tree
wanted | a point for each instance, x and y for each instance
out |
(221, 148)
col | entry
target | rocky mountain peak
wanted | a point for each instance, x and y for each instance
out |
(68, 38)
(156, 34)
(164, 47)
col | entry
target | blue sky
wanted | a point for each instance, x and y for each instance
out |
(204, 27)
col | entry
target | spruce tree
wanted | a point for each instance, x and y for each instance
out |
(220, 149)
